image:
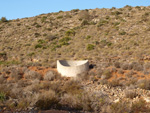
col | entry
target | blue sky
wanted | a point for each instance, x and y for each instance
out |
(13, 9)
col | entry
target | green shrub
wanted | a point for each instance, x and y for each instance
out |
(75, 10)
(36, 34)
(59, 17)
(105, 43)
(116, 23)
(90, 47)
(64, 41)
(70, 32)
(122, 33)
(31, 54)
(40, 41)
(3, 19)
(38, 46)
(116, 13)
(88, 37)
(2, 96)
(7, 63)
(102, 22)
(84, 22)
(43, 19)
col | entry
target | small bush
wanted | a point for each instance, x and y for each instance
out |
(90, 47)
(75, 10)
(116, 13)
(70, 32)
(144, 84)
(2, 96)
(84, 22)
(84, 15)
(29, 74)
(36, 34)
(64, 41)
(82, 76)
(102, 22)
(3, 19)
(140, 106)
(120, 71)
(124, 66)
(120, 107)
(16, 74)
(49, 76)
(88, 37)
(114, 83)
(38, 46)
(122, 33)
(51, 37)
(117, 64)
(107, 73)
(47, 100)
(43, 19)
(72, 87)
(59, 17)
(130, 94)
(105, 43)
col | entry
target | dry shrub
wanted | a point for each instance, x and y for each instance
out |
(117, 64)
(124, 66)
(72, 87)
(32, 88)
(114, 83)
(135, 66)
(51, 37)
(72, 102)
(56, 86)
(30, 74)
(84, 15)
(140, 106)
(16, 74)
(120, 107)
(50, 75)
(99, 72)
(83, 76)
(130, 94)
(106, 74)
(47, 100)
(129, 74)
(23, 83)
(102, 82)
(53, 65)
(147, 66)
(120, 71)
(144, 84)
(2, 79)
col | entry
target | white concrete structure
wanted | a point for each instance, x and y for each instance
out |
(71, 68)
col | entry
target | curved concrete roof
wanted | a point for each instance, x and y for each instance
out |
(71, 68)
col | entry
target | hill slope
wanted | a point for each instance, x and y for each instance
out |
(97, 35)
(115, 41)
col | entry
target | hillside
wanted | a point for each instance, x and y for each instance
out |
(115, 41)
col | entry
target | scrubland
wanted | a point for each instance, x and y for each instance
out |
(115, 41)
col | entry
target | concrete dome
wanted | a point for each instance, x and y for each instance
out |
(71, 68)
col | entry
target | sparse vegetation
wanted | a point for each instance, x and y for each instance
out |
(117, 50)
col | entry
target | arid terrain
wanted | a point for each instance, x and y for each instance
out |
(115, 41)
